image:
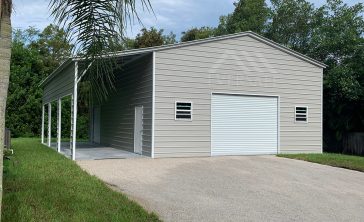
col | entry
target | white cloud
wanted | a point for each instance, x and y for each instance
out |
(170, 15)
(31, 13)
(179, 15)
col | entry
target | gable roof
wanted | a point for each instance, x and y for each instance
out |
(230, 36)
(195, 42)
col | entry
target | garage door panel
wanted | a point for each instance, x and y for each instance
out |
(244, 125)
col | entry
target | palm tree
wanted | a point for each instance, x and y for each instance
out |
(97, 29)
(5, 52)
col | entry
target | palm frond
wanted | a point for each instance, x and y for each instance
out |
(97, 28)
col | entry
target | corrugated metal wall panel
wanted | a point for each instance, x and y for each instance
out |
(243, 66)
(60, 86)
(133, 88)
(243, 125)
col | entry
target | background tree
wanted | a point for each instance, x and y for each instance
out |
(169, 39)
(198, 33)
(153, 37)
(52, 46)
(23, 104)
(35, 55)
(292, 23)
(5, 53)
(222, 28)
(249, 15)
(127, 43)
(338, 41)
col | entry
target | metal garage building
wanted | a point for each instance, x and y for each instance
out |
(238, 94)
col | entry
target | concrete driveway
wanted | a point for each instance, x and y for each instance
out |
(247, 188)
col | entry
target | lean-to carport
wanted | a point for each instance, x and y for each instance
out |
(61, 83)
(64, 82)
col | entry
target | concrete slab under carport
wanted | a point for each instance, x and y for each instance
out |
(90, 151)
(236, 188)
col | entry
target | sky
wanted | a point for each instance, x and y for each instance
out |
(170, 15)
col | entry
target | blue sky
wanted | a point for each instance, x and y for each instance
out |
(171, 15)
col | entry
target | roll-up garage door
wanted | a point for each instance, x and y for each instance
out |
(244, 125)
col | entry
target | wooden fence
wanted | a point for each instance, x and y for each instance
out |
(353, 143)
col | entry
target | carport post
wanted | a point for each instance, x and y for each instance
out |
(49, 123)
(74, 117)
(59, 119)
(42, 136)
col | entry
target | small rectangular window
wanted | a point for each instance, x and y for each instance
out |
(183, 111)
(301, 114)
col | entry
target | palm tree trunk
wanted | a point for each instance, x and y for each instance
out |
(5, 53)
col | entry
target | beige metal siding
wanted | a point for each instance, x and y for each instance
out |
(133, 88)
(241, 65)
(61, 85)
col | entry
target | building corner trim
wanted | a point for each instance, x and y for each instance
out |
(153, 105)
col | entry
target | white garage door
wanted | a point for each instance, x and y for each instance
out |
(244, 125)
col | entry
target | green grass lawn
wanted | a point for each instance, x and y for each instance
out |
(42, 185)
(331, 159)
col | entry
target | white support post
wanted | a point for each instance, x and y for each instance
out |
(42, 135)
(74, 117)
(71, 132)
(49, 123)
(59, 129)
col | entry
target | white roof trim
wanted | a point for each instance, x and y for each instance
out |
(200, 41)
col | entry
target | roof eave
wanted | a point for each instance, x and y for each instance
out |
(288, 50)
(59, 68)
